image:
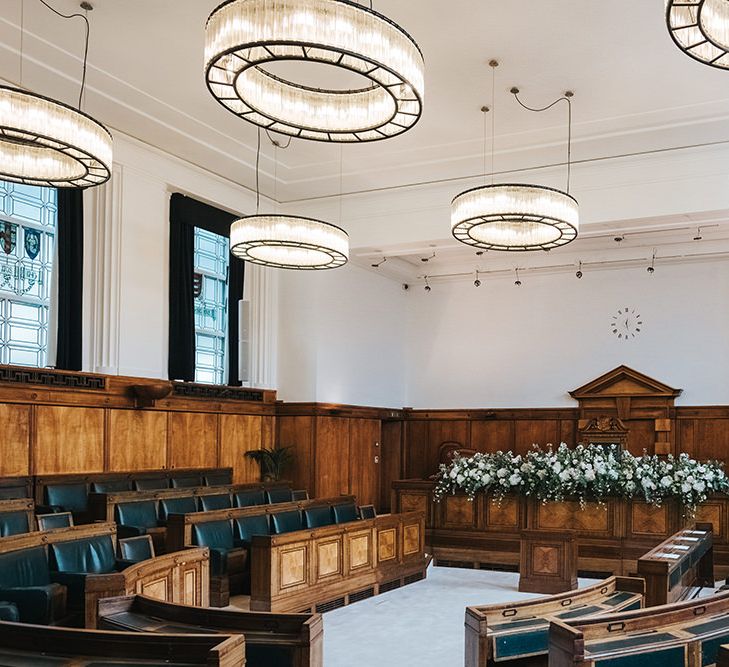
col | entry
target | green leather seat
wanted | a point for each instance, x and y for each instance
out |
(216, 502)
(25, 581)
(13, 523)
(136, 518)
(68, 497)
(279, 496)
(136, 549)
(315, 517)
(169, 506)
(112, 486)
(249, 498)
(218, 478)
(71, 562)
(9, 611)
(345, 513)
(218, 537)
(248, 526)
(186, 481)
(287, 522)
(151, 483)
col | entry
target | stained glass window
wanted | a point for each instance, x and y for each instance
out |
(27, 231)
(211, 305)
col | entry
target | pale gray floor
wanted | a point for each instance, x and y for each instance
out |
(420, 625)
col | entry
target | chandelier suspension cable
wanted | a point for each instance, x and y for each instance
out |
(22, 40)
(493, 64)
(258, 173)
(86, 45)
(341, 160)
(567, 97)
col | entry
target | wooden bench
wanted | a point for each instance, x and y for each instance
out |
(33, 645)
(181, 529)
(272, 640)
(683, 634)
(325, 568)
(518, 632)
(70, 491)
(678, 567)
(175, 577)
(17, 516)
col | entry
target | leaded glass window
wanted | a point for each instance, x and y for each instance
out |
(28, 217)
(211, 305)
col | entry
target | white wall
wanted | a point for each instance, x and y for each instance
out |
(341, 338)
(503, 346)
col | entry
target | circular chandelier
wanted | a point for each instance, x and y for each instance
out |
(700, 28)
(514, 217)
(289, 242)
(242, 37)
(48, 143)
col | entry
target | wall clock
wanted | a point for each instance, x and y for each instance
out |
(627, 323)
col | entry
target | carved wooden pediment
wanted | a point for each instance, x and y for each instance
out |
(624, 381)
(603, 430)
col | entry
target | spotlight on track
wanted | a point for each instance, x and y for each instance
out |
(427, 259)
(578, 275)
(477, 282)
(619, 239)
(652, 268)
(377, 265)
(698, 236)
(517, 282)
(427, 286)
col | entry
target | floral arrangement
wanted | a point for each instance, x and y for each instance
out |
(587, 472)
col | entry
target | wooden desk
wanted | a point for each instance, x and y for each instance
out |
(325, 568)
(678, 567)
(24, 644)
(294, 640)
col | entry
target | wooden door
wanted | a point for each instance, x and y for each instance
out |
(364, 460)
(331, 459)
(390, 460)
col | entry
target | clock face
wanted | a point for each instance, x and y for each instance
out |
(626, 324)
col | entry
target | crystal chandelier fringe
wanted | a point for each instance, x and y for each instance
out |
(243, 36)
(518, 217)
(700, 28)
(287, 241)
(45, 142)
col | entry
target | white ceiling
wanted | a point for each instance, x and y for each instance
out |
(633, 87)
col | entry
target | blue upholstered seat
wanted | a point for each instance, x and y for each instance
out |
(315, 517)
(136, 518)
(9, 611)
(112, 486)
(53, 521)
(151, 483)
(286, 522)
(345, 513)
(169, 506)
(218, 478)
(218, 537)
(248, 526)
(216, 502)
(71, 562)
(69, 497)
(136, 549)
(25, 581)
(13, 523)
(279, 496)
(186, 481)
(249, 498)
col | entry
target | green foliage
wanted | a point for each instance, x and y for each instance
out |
(273, 462)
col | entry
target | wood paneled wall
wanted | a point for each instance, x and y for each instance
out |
(67, 429)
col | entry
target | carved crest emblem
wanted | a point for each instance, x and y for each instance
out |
(32, 242)
(8, 236)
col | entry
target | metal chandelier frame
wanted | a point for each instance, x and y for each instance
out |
(224, 68)
(716, 54)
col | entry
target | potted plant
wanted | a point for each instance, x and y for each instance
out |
(272, 462)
